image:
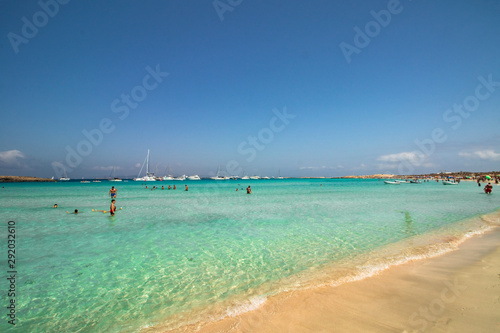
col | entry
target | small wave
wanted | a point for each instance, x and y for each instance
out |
(250, 305)
(410, 255)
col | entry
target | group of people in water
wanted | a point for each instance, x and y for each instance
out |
(169, 187)
(113, 193)
(112, 208)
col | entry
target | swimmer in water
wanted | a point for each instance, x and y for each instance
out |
(113, 192)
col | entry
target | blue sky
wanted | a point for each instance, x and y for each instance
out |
(321, 88)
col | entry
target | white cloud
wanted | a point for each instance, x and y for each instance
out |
(394, 161)
(362, 166)
(488, 154)
(404, 156)
(11, 157)
(323, 167)
(387, 166)
(106, 168)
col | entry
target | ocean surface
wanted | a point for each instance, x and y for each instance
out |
(172, 257)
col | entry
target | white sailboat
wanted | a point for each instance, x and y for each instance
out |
(115, 179)
(149, 177)
(65, 178)
(218, 176)
(167, 177)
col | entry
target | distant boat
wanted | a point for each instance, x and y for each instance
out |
(167, 177)
(65, 178)
(96, 181)
(183, 177)
(279, 174)
(255, 177)
(245, 178)
(218, 176)
(415, 182)
(265, 178)
(115, 179)
(195, 177)
(390, 182)
(447, 182)
(149, 177)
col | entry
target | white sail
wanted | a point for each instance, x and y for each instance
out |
(149, 177)
(218, 176)
(115, 179)
(65, 178)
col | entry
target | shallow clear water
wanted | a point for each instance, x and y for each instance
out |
(171, 253)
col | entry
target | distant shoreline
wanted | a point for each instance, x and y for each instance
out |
(21, 179)
(462, 174)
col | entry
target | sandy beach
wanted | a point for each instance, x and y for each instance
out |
(455, 292)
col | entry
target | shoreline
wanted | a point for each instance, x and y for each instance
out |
(391, 299)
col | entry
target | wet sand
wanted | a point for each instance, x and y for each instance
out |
(455, 292)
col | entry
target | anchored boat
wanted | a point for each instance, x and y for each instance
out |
(149, 177)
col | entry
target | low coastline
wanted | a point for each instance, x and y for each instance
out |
(22, 179)
(450, 292)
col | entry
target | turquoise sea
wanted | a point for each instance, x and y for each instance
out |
(172, 257)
